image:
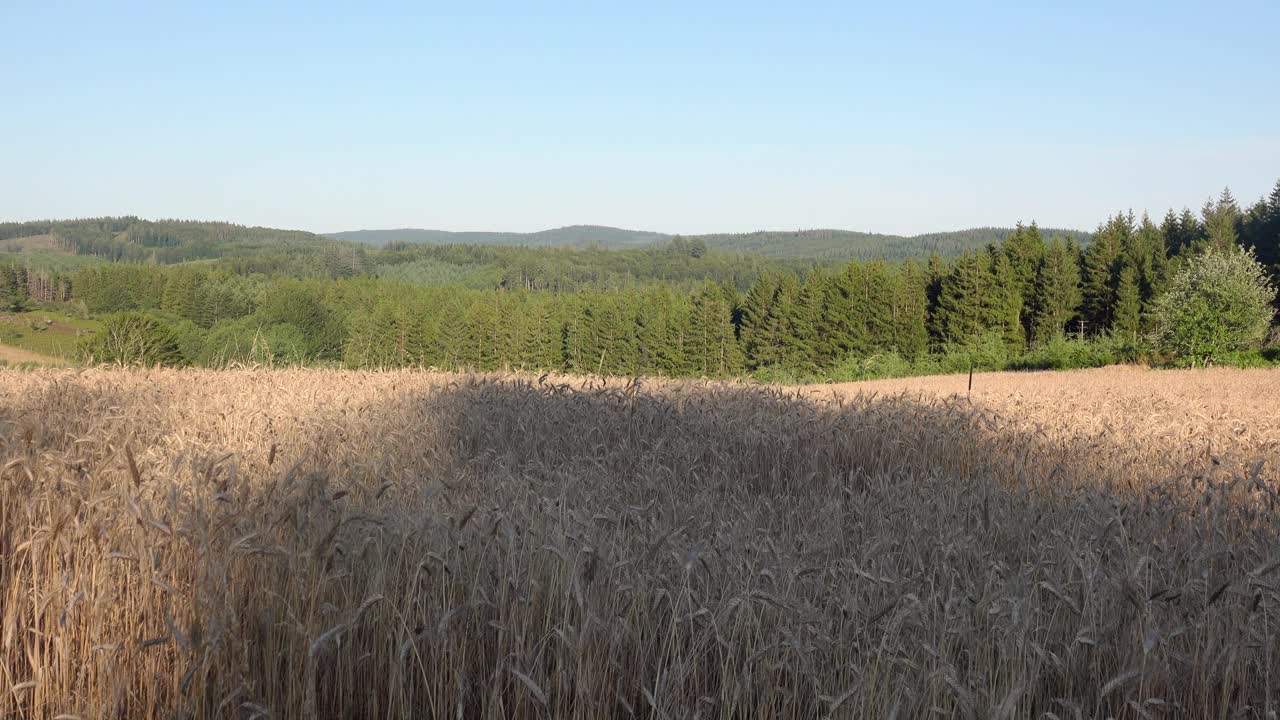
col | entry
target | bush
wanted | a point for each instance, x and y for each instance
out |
(881, 365)
(1064, 354)
(1217, 305)
(134, 338)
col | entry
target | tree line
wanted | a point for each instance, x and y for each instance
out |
(1025, 292)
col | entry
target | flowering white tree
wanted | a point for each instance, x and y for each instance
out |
(1220, 302)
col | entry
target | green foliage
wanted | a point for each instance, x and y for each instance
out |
(303, 306)
(844, 244)
(678, 306)
(1128, 306)
(130, 239)
(1219, 303)
(1056, 295)
(1222, 221)
(1061, 353)
(964, 307)
(134, 338)
(14, 293)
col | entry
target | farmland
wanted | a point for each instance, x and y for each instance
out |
(308, 543)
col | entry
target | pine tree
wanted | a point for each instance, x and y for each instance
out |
(713, 344)
(180, 294)
(1101, 264)
(1056, 299)
(800, 320)
(1263, 230)
(10, 295)
(910, 312)
(1128, 308)
(934, 276)
(755, 322)
(963, 301)
(1024, 247)
(837, 316)
(1146, 253)
(1221, 222)
(873, 300)
(1004, 312)
(773, 340)
(450, 349)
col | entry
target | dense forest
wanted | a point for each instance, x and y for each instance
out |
(822, 244)
(674, 309)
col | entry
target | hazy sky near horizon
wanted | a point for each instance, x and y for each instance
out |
(676, 117)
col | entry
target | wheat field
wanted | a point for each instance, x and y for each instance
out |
(311, 543)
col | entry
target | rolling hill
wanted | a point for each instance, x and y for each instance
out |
(572, 236)
(823, 244)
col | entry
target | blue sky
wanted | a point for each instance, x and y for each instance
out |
(678, 117)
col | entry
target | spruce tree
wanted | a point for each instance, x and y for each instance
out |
(755, 320)
(963, 301)
(713, 344)
(836, 329)
(1056, 298)
(800, 319)
(1004, 312)
(13, 288)
(1101, 264)
(1128, 307)
(1024, 248)
(1147, 254)
(1264, 230)
(910, 312)
(1221, 222)
(873, 300)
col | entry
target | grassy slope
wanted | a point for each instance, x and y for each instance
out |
(48, 333)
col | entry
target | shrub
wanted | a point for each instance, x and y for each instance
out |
(1064, 354)
(1219, 303)
(134, 338)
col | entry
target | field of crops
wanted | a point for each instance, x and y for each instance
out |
(309, 543)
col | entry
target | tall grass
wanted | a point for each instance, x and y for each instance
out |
(296, 544)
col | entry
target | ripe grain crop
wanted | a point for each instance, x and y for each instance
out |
(310, 543)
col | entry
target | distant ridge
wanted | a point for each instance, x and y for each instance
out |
(572, 236)
(819, 243)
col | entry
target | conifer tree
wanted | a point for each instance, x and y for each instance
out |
(910, 312)
(755, 318)
(873, 300)
(1147, 255)
(773, 341)
(1004, 312)
(829, 321)
(1221, 222)
(1262, 230)
(963, 301)
(1101, 265)
(1024, 248)
(1128, 308)
(181, 290)
(713, 345)
(13, 288)
(1057, 296)
(800, 320)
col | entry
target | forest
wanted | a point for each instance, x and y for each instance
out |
(1033, 298)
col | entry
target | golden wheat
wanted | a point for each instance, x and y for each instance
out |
(308, 543)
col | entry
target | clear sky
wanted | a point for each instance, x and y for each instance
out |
(677, 117)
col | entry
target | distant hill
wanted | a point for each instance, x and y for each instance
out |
(824, 244)
(847, 244)
(610, 238)
(128, 238)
